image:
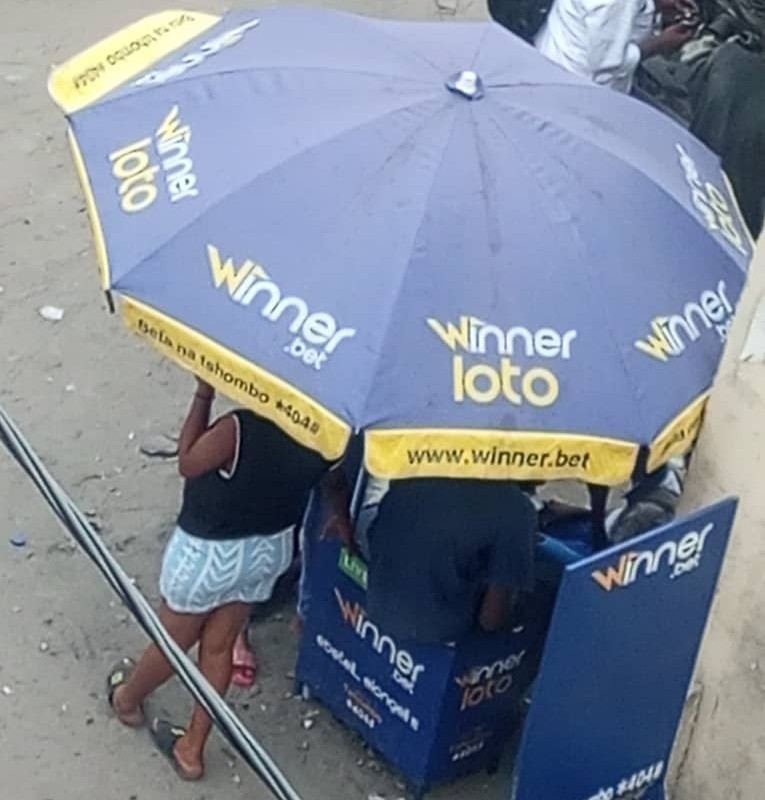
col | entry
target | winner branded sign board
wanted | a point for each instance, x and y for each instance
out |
(618, 661)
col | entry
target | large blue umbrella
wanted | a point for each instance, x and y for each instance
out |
(424, 231)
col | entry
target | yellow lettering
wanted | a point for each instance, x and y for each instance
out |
(656, 344)
(138, 180)
(541, 375)
(131, 166)
(483, 383)
(508, 373)
(131, 148)
(169, 129)
(138, 198)
(458, 379)
(451, 335)
(225, 272)
(492, 388)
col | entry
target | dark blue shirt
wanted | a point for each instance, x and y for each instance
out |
(436, 545)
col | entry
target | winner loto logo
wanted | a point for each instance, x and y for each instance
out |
(484, 365)
(136, 174)
(488, 681)
(406, 670)
(671, 336)
(316, 334)
(676, 557)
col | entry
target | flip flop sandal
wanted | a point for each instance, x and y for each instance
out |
(119, 676)
(166, 736)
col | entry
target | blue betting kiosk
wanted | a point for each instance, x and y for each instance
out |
(592, 679)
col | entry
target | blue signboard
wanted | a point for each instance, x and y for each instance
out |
(433, 711)
(618, 661)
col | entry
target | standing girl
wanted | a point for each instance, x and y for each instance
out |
(246, 487)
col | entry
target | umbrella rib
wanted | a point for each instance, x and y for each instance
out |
(415, 236)
(250, 180)
(545, 85)
(369, 22)
(480, 45)
(584, 250)
(492, 225)
(609, 152)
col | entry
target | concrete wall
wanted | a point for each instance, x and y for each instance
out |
(726, 757)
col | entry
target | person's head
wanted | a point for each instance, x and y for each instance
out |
(638, 519)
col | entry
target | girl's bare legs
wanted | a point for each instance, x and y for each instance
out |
(215, 647)
(153, 669)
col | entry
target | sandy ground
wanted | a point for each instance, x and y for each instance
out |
(87, 395)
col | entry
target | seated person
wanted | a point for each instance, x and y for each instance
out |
(565, 507)
(650, 503)
(448, 556)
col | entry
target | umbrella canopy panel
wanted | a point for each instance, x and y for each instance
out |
(424, 231)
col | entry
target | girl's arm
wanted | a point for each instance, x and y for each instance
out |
(203, 448)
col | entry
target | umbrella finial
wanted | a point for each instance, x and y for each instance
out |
(467, 83)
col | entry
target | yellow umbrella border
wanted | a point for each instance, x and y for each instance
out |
(114, 60)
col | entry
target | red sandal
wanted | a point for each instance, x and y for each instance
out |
(244, 662)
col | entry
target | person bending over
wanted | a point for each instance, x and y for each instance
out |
(246, 487)
(447, 557)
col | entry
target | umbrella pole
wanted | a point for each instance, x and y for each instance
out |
(598, 503)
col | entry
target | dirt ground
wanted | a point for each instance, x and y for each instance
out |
(87, 395)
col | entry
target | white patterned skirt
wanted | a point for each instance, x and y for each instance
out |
(200, 575)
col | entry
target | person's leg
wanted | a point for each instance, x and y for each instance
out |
(215, 647)
(270, 559)
(153, 669)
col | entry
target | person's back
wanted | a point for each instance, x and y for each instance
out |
(605, 40)
(594, 38)
(439, 548)
(265, 491)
